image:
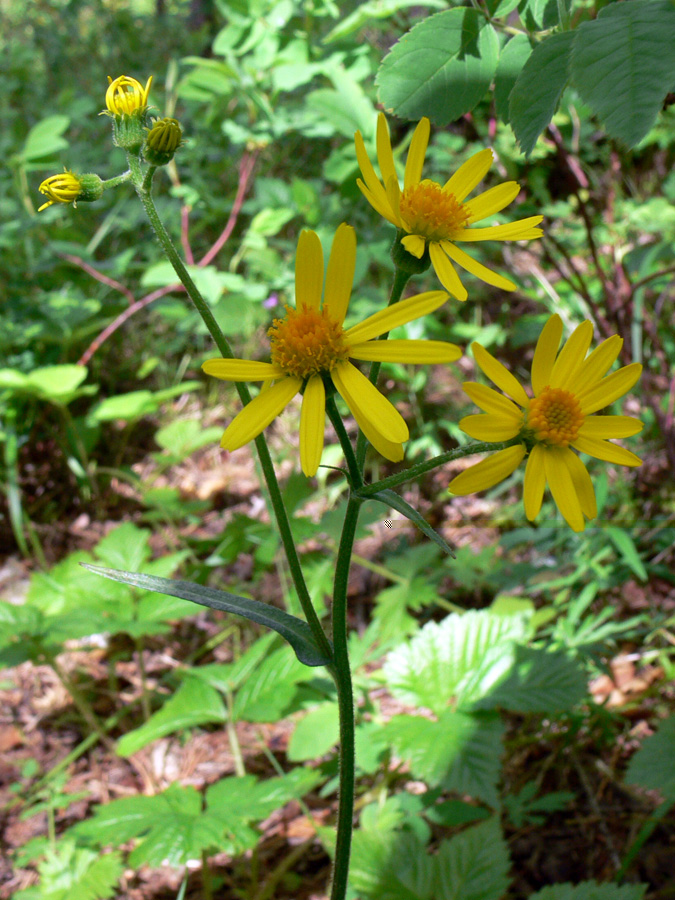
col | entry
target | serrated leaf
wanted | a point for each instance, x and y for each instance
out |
(441, 68)
(591, 890)
(623, 65)
(268, 690)
(69, 872)
(539, 87)
(511, 61)
(458, 752)
(427, 670)
(315, 734)
(653, 766)
(474, 865)
(125, 547)
(395, 501)
(194, 703)
(294, 630)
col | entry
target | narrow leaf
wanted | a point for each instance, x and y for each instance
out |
(294, 630)
(538, 89)
(394, 501)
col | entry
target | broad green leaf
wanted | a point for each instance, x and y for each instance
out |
(538, 89)
(441, 68)
(294, 630)
(56, 384)
(523, 679)
(458, 752)
(183, 436)
(45, 138)
(69, 872)
(427, 670)
(591, 890)
(653, 766)
(623, 65)
(394, 501)
(136, 404)
(269, 222)
(268, 690)
(511, 61)
(375, 9)
(315, 734)
(194, 703)
(126, 546)
(474, 865)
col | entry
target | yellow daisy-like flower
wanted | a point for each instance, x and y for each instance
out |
(309, 346)
(126, 96)
(62, 188)
(438, 217)
(568, 388)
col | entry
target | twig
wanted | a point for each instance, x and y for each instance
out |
(245, 171)
(99, 276)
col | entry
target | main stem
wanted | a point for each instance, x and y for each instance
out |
(143, 189)
(343, 682)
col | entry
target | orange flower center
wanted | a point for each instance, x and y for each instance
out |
(431, 212)
(555, 417)
(306, 342)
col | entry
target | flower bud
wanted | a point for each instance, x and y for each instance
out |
(69, 188)
(405, 261)
(162, 141)
(126, 103)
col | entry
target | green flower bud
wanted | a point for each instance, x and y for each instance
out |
(162, 141)
(406, 261)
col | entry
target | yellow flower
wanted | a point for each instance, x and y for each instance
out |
(63, 188)
(436, 217)
(126, 95)
(310, 348)
(568, 388)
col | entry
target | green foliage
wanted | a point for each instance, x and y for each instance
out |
(69, 871)
(591, 890)
(653, 766)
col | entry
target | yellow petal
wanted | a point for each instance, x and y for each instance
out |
(522, 230)
(414, 244)
(384, 155)
(562, 487)
(582, 484)
(308, 270)
(380, 207)
(492, 201)
(489, 428)
(417, 352)
(394, 198)
(571, 357)
(535, 482)
(488, 472)
(416, 153)
(611, 453)
(597, 363)
(446, 273)
(610, 427)
(241, 369)
(399, 314)
(499, 374)
(312, 419)
(366, 402)
(340, 273)
(389, 449)
(609, 389)
(478, 269)
(492, 402)
(373, 183)
(469, 174)
(545, 353)
(258, 414)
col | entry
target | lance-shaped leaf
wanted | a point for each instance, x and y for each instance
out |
(394, 501)
(294, 630)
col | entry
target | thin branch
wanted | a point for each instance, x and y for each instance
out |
(245, 171)
(99, 276)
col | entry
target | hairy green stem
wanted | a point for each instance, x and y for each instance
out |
(421, 468)
(142, 185)
(343, 682)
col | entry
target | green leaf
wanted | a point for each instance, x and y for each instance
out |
(441, 68)
(623, 65)
(653, 766)
(626, 546)
(294, 630)
(315, 734)
(136, 404)
(591, 890)
(511, 61)
(538, 89)
(269, 689)
(56, 384)
(474, 865)
(393, 501)
(427, 670)
(125, 547)
(374, 9)
(44, 139)
(70, 872)
(459, 752)
(194, 703)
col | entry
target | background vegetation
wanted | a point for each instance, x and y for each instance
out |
(515, 732)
